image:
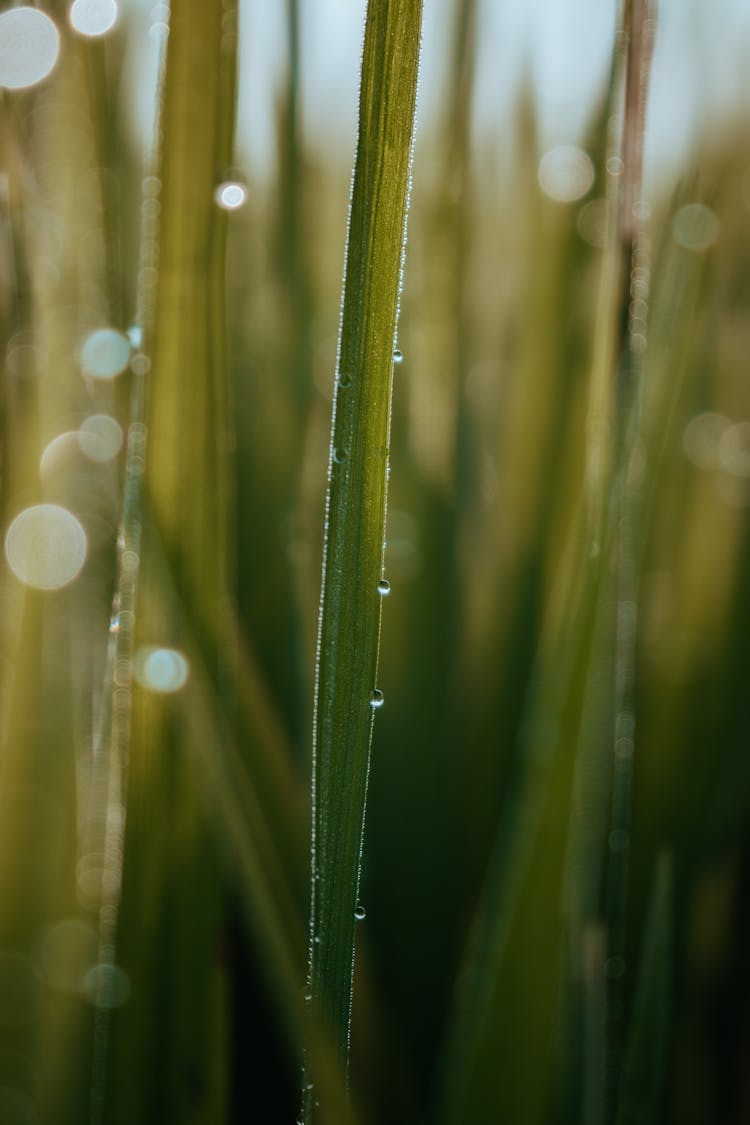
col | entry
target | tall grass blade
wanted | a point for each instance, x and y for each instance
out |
(511, 967)
(625, 506)
(47, 705)
(349, 629)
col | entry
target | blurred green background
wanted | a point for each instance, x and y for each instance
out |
(154, 834)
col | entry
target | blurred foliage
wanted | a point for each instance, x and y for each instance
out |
(166, 983)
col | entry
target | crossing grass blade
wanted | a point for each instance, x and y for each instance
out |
(349, 629)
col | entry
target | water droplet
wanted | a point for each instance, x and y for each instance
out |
(345, 380)
(122, 673)
(58, 456)
(702, 440)
(100, 437)
(565, 173)
(360, 913)
(46, 546)
(93, 17)
(140, 364)
(624, 748)
(384, 587)
(105, 353)
(339, 456)
(106, 986)
(135, 335)
(398, 356)
(159, 31)
(151, 185)
(230, 195)
(114, 625)
(695, 227)
(29, 46)
(377, 699)
(638, 343)
(164, 670)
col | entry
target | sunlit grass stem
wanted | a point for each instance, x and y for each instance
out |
(179, 480)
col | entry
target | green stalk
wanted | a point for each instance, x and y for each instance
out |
(349, 628)
(625, 501)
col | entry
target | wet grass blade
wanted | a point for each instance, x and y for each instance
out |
(349, 628)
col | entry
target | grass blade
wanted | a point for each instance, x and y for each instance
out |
(349, 627)
(625, 500)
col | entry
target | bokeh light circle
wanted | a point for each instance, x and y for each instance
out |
(45, 546)
(29, 47)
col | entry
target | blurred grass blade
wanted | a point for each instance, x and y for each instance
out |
(511, 968)
(171, 877)
(626, 502)
(47, 640)
(355, 507)
(644, 1069)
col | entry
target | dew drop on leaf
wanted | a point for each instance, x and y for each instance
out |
(230, 195)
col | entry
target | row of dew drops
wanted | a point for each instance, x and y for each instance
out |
(339, 456)
(377, 699)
